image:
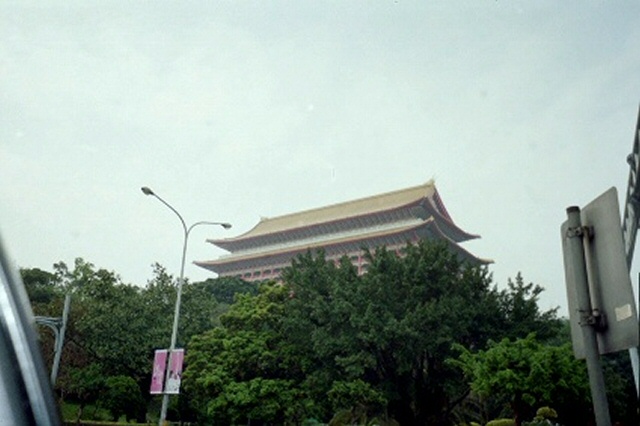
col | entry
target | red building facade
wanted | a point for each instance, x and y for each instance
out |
(391, 219)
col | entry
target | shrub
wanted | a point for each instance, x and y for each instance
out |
(122, 397)
(544, 413)
(502, 422)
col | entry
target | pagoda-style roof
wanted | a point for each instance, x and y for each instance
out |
(399, 235)
(418, 202)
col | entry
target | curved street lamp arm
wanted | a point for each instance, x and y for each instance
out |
(205, 222)
(148, 191)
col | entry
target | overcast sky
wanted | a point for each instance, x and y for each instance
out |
(233, 110)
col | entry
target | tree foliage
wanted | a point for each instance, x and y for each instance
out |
(122, 397)
(42, 288)
(521, 313)
(238, 372)
(83, 385)
(528, 375)
(114, 328)
(323, 345)
(225, 289)
(375, 344)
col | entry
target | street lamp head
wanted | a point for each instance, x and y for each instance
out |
(147, 191)
(226, 225)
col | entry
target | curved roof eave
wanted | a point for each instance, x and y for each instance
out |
(436, 207)
(359, 207)
(459, 248)
(429, 223)
(316, 245)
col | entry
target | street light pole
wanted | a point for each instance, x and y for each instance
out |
(59, 327)
(176, 314)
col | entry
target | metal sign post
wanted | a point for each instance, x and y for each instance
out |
(602, 310)
(610, 291)
(576, 271)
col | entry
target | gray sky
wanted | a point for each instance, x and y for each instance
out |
(233, 110)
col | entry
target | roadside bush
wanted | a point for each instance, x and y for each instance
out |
(502, 422)
(122, 397)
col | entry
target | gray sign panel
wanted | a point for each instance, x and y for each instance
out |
(609, 283)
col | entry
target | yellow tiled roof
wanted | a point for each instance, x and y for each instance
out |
(414, 227)
(362, 206)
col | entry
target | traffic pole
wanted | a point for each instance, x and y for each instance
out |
(576, 259)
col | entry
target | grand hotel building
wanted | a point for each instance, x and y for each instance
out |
(391, 219)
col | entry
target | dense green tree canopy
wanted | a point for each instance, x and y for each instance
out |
(239, 371)
(325, 331)
(42, 288)
(529, 375)
(114, 328)
(224, 289)
(122, 397)
(322, 345)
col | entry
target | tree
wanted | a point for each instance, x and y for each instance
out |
(529, 375)
(114, 327)
(621, 391)
(120, 325)
(394, 326)
(199, 309)
(158, 298)
(122, 397)
(204, 302)
(224, 289)
(111, 330)
(354, 401)
(327, 331)
(108, 322)
(42, 288)
(377, 343)
(84, 385)
(325, 343)
(521, 314)
(241, 370)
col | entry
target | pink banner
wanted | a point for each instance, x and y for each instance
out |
(175, 372)
(159, 366)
